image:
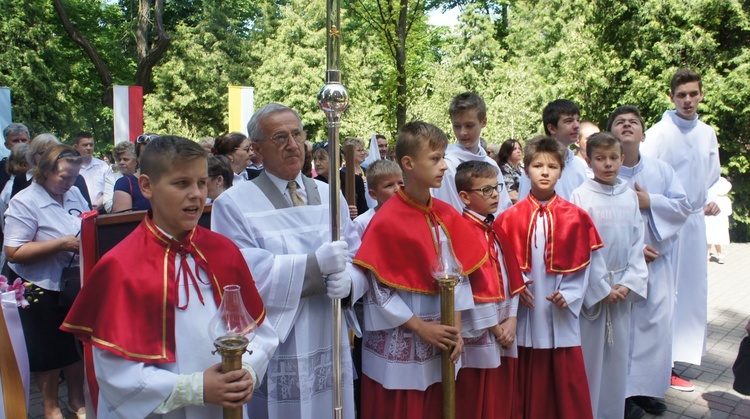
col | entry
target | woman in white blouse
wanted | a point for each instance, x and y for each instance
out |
(41, 238)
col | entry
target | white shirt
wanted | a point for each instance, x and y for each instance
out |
(283, 186)
(33, 216)
(109, 190)
(363, 220)
(5, 199)
(95, 175)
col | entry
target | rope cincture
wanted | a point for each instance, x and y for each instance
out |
(608, 315)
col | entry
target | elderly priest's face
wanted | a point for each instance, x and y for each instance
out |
(282, 158)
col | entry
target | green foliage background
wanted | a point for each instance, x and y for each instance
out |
(518, 55)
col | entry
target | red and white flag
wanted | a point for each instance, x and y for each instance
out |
(128, 108)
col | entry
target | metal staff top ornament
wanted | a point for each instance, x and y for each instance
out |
(333, 99)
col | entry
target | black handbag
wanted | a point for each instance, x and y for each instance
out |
(741, 368)
(70, 284)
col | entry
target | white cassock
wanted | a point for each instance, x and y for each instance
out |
(651, 320)
(691, 149)
(456, 154)
(129, 389)
(481, 349)
(277, 241)
(605, 328)
(573, 176)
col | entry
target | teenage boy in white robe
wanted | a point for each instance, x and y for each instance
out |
(562, 121)
(690, 147)
(605, 326)
(468, 114)
(664, 209)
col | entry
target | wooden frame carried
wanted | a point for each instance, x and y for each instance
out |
(107, 230)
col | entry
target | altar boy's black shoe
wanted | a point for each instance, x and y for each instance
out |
(650, 404)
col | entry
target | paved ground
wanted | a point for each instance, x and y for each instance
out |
(728, 312)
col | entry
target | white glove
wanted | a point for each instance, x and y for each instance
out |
(332, 257)
(338, 285)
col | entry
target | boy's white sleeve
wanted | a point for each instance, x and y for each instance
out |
(384, 308)
(134, 389)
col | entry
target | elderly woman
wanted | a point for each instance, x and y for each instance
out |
(509, 159)
(41, 238)
(236, 147)
(34, 153)
(126, 193)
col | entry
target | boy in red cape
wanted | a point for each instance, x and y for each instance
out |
(148, 301)
(555, 243)
(486, 383)
(403, 337)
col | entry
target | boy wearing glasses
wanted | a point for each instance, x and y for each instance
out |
(468, 114)
(489, 329)
(555, 243)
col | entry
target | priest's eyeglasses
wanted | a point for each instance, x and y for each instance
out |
(282, 139)
(488, 190)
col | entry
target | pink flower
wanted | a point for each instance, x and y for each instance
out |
(20, 288)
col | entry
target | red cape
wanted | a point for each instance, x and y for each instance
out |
(487, 281)
(128, 304)
(571, 235)
(398, 245)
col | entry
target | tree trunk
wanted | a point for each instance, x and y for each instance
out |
(101, 67)
(401, 33)
(147, 57)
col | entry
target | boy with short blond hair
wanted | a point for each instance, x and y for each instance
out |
(384, 178)
(605, 325)
(485, 384)
(555, 243)
(159, 361)
(561, 119)
(403, 337)
(664, 209)
(468, 114)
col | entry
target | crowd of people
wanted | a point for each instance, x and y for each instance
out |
(570, 248)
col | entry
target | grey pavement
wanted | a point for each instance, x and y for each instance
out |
(728, 312)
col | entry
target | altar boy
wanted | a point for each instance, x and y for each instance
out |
(605, 325)
(403, 338)
(555, 243)
(157, 361)
(664, 209)
(486, 383)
